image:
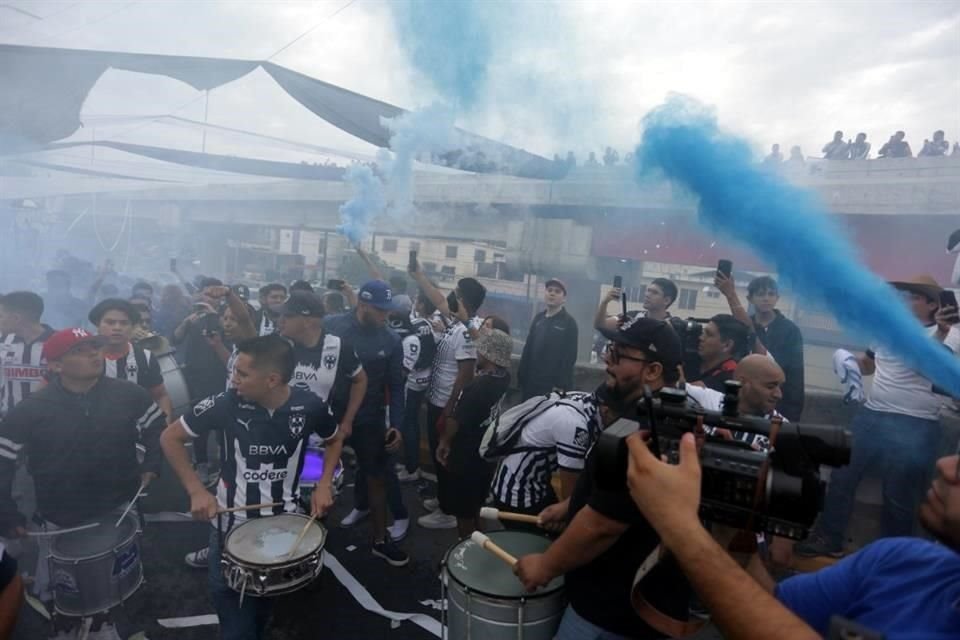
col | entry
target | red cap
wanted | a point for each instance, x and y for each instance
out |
(60, 343)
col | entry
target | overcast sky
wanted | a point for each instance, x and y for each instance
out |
(563, 75)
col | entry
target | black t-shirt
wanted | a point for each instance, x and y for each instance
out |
(261, 451)
(473, 407)
(204, 370)
(600, 591)
(715, 377)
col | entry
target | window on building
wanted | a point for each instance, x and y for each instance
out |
(414, 246)
(389, 245)
(688, 299)
(429, 267)
(451, 251)
(713, 294)
(448, 271)
(479, 255)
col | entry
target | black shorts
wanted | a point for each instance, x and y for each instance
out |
(369, 442)
(466, 490)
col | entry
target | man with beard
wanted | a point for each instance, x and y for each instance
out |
(272, 297)
(381, 354)
(607, 538)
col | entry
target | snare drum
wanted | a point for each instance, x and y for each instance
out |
(311, 474)
(254, 559)
(485, 601)
(175, 383)
(96, 569)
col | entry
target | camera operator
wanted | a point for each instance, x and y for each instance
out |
(901, 587)
(896, 433)
(723, 342)
(607, 538)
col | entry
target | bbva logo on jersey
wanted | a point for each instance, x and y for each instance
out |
(297, 423)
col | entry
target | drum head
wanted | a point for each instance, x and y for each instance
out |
(267, 541)
(96, 540)
(479, 570)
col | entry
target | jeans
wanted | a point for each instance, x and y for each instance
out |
(573, 627)
(361, 499)
(411, 429)
(246, 621)
(902, 450)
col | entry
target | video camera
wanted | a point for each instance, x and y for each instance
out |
(778, 491)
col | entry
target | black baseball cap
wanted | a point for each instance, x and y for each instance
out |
(301, 303)
(656, 338)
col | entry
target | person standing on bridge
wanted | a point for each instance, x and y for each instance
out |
(22, 335)
(550, 351)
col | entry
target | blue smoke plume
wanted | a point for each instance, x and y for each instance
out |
(367, 202)
(785, 226)
(449, 41)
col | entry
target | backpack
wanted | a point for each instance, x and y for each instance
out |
(502, 429)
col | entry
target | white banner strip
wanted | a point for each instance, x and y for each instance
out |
(189, 621)
(363, 597)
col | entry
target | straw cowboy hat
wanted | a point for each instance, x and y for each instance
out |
(923, 284)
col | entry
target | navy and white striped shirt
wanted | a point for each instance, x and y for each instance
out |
(262, 451)
(22, 368)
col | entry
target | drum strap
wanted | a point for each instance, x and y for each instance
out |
(662, 622)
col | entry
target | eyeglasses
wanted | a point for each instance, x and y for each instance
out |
(616, 355)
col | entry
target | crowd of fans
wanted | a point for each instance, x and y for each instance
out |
(859, 149)
(366, 365)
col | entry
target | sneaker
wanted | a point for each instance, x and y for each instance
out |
(197, 559)
(354, 517)
(208, 477)
(398, 530)
(431, 504)
(817, 545)
(437, 520)
(391, 553)
(408, 476)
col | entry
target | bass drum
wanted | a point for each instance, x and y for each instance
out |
(175, 382)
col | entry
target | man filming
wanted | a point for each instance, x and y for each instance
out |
(608, 538)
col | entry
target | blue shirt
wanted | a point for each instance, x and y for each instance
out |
(906, 588)
(381, 353)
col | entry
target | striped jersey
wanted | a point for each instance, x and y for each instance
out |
(137, 365)
(453, 347)
(22, 368)
(559, 438)
(265, 324)
(262, 451)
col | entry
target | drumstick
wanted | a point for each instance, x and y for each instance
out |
(143, 485)
(250, 507)
(90, 525)
(303, 532)
(485, 542)
(489, 513)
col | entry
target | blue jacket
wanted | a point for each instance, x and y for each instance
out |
(381, 354)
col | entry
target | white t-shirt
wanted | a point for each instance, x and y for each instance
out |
(455, 346)
(899, 389)
(559, 438)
